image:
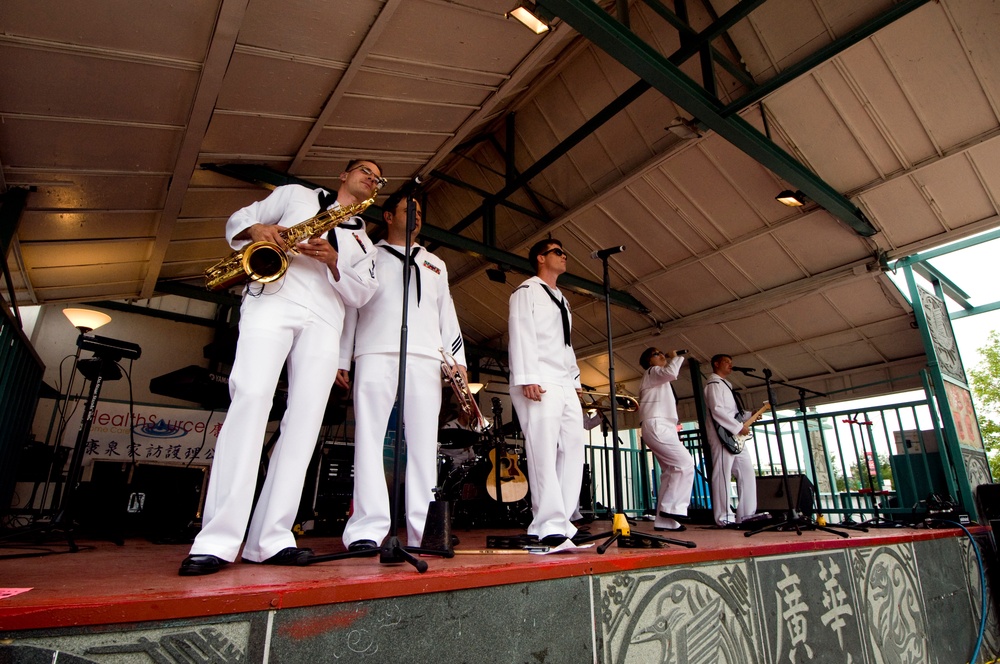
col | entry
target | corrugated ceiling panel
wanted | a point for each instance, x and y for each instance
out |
(277, 86)
(902, 212)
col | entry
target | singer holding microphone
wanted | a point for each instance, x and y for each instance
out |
(658, 414)
(725, 410)
(544, 381)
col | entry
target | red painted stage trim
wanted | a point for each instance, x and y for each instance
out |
(126, 592)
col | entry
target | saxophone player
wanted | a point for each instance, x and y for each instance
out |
(372, 337)
(296, 319)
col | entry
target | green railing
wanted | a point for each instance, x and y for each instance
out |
(883, 461)
(21, 373)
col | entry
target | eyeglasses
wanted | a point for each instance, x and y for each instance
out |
(557, 251)
(379, 180)
(657, 352)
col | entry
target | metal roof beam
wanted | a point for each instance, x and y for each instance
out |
(829, 51)
(600, 28)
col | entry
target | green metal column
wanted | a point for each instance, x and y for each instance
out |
(963, 452)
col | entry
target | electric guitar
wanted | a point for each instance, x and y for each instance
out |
(735, 442)
(505, 474)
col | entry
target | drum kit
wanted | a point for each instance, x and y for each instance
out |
(484, 476)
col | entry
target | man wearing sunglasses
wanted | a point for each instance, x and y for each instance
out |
(296, 319)
(544, 381)
(371, 336)
(658, 414)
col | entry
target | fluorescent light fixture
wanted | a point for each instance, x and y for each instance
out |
(526, 13)
(86, 320)
(791, 198)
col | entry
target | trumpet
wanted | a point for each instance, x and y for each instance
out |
(602, 401)
(453, 375)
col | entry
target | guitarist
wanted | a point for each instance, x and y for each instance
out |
(726, 412)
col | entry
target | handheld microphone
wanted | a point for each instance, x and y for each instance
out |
(682, 351)
(744, 369)
(604, 253)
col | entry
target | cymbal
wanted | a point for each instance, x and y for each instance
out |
(455, 439)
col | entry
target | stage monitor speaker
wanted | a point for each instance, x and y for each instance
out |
(160, 502)
(771, 494)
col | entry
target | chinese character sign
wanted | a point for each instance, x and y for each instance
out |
(162, 434)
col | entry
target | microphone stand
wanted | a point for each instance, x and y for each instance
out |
(793, 518)
(391, 551)
(619, 527)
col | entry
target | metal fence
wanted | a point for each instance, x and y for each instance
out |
(876, 463)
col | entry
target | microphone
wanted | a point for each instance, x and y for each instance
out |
(682, 351)
(604, 253)
(744, 369)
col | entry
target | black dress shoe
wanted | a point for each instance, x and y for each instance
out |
(199, 565)
(553, 540)
(363, 545)
(684, 518)
(291, 556)
(680, 528)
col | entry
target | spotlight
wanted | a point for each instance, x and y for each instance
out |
(791, 198)
(527, 13)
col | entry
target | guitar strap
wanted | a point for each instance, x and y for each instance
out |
(736, 397)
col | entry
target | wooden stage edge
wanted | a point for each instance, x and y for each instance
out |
(106, 584)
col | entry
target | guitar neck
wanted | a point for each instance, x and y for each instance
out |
(756, 416)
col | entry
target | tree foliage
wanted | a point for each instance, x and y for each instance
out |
(985, 385)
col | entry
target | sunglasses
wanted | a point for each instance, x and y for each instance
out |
(379, 180)
(657, 352)
(557, 251)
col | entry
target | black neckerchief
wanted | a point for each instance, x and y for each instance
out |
(562, 310)
(412, 261)
(327, 199)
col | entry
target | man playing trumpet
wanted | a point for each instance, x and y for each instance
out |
(372, 339)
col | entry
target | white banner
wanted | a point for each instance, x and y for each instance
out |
(160, 434)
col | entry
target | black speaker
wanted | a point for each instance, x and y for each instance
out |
(335, 489)
(988, 497)
(771, 495)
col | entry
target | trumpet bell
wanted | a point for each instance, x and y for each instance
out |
(601, 401)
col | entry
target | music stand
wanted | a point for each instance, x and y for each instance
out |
(391, 551)
(877, 520)
(793, 518)
(619, 525)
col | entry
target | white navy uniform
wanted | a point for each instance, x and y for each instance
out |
(658, 414)
(371, 336)
(723, 410)
(297, 318)
(553, 427)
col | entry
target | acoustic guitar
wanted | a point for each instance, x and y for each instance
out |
(735, 442)
(512, 482)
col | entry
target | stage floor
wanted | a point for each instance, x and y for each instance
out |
(104, 583)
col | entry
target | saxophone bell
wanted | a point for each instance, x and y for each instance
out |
(264, 262)
(452, 375)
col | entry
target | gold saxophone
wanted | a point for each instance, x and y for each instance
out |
(265, 261)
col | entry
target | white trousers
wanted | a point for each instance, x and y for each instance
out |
(724, 466)
(271, 330)
(554, 442)
(659, 434)
(376, 377)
